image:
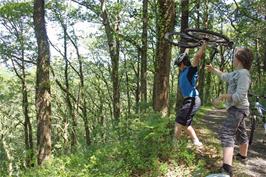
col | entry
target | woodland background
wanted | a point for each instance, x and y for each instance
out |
(88, 87)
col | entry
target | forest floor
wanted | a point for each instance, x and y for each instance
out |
(207, 130)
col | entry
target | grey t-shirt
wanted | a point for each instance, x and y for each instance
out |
(238, 85)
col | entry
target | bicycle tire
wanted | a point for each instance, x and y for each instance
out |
(181, 40)
(252, 128)
(210, 36)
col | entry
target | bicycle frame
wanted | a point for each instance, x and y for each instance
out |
(257, 115)
(261, 110)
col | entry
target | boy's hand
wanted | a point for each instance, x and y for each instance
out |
(220, 99)
(202, 48)
(216, 102)
(210, 68)
(225, 97)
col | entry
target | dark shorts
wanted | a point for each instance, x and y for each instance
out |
(187, 111)
(234, 128)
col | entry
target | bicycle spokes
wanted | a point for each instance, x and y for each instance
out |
(193, 38)
(181, 40)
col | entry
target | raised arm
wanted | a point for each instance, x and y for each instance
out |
(216, 71)
(199, 55)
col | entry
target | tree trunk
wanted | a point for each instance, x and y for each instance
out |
(8, 156)
(184, 25)
(137, 91)
(83, 103)
(198, 14)
(264, 58)
(43, 95)
(113, 43)
(202, 68)
(27, 122)
(264, 50)
(221, 88)
(25, 104)
(70, 107)
(166, 20)
(127, 87)
(143, 86)
(257, 58)
(83, 99)
(184, 16)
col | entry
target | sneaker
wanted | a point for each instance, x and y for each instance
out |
(240, 158)
(223, 171)
(198, 143)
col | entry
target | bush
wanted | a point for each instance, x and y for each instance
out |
(144, 147)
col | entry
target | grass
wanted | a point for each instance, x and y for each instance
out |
(147, 150)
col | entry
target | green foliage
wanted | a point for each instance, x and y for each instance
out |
(149, 141)
(16, 10)
(11, 130)
(144, 150)
(142, 143)
(98, 161)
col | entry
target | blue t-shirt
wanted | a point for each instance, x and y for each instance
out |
(187, 81)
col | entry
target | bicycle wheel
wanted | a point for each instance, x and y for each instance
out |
(181, 40)
(210, 36)
(252, 128)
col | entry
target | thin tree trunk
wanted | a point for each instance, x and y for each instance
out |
(257, 58)
(27, 122)
(221, 68)
(83, 100)
(137, 83)
(198, 14)
(68, 98)
(113, 43)
(264, 58)
(82, 93)
(184, 25)
(264, 48)
(8, 156)
(127, 87)
(202, 70)
(143, 75)
(43, 95)
(165, 24)
(25, 105)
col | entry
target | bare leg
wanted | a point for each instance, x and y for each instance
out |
(228, 155)
(191, 132)
(243, 149)
(178, 128)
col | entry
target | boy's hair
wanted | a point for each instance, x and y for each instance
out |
(186, 61)
(245, 56)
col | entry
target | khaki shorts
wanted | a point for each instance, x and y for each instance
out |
(234, 128)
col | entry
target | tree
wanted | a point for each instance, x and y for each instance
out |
(43, 93)
(113, 44)
(184, 25)
(165, 23)
(143, 86)
(16, 20)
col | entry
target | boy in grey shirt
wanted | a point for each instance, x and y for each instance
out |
(237, 107)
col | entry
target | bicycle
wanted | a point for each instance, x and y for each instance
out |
(192, 38)
(257, 115)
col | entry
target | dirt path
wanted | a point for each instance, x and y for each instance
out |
(208, 128)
